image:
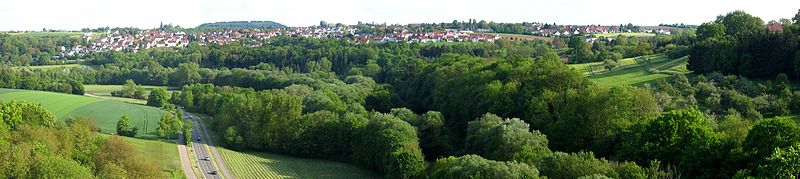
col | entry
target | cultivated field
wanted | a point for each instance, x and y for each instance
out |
(105, 92)
(164, 154)
(106, 113)
(95, 35)
(626, 34)
(524, 37)
(48, 67)
(631, 72)
(49, 34)
(266, 165)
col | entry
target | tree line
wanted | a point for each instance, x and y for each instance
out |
(741, 44)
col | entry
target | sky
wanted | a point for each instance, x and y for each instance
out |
(77, 14)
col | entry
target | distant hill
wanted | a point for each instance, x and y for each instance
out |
(241, 24)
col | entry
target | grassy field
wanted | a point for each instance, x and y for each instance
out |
(161, 153)
(597, 66)
(49, 34)
(48, 67)
(632, 73)
(525, 37)
(105, 92)
(105, 112)
(267, 165)
(638, 34)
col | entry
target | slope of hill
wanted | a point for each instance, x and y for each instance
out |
(242, 24)
(632, 72)
(105, 113)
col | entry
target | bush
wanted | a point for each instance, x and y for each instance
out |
(574, 165)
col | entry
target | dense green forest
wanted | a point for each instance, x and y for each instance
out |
(739, 43)
(26, 50)
(509, 109)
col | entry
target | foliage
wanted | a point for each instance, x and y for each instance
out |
(124, 127)
(169, 125)
(574, 165)
(783, 163)
(130, 90)
(738, 43)
(768, 135)
(158, 97)
(683, 138)
(34, 148)
(498, 139)
(473, 166)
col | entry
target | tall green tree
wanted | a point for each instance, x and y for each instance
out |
(187, 73)
(158, 97)
(124, 127)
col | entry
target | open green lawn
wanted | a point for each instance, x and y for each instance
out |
(105, 112)
(636, 34)
(268, 165)
(632, 73)
(161, 153)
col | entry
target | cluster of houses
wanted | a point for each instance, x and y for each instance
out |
(116, 40)
(595, 29)
(430, 37)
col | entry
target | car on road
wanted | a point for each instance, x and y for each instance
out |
(213, 172)
(207, 158)
(198, 139)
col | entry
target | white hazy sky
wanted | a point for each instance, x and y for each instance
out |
(77, 14)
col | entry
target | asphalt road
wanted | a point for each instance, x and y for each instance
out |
(201, 151)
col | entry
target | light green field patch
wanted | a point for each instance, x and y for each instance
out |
(105, 113)
(48, 67)
(637, 34)
(161, 153)
(658, 67)
(266, 165)
(50, 34)
(61, 105)
(164, 153)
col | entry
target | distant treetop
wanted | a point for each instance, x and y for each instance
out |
(241, 24)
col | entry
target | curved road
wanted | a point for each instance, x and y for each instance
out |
(203, 148)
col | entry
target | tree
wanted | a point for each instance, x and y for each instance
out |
(502, 139)
(682, 137)
(390, 146)
(796, 18)
(130, 90)
(739, 22)
(769, 134)
(563, 165)
(124, 127)
(169, 125)
(77, 87)
(710, 30)
(473, 166)
(783, 163)
(233, 139)
(158, 97)
(187, 73)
